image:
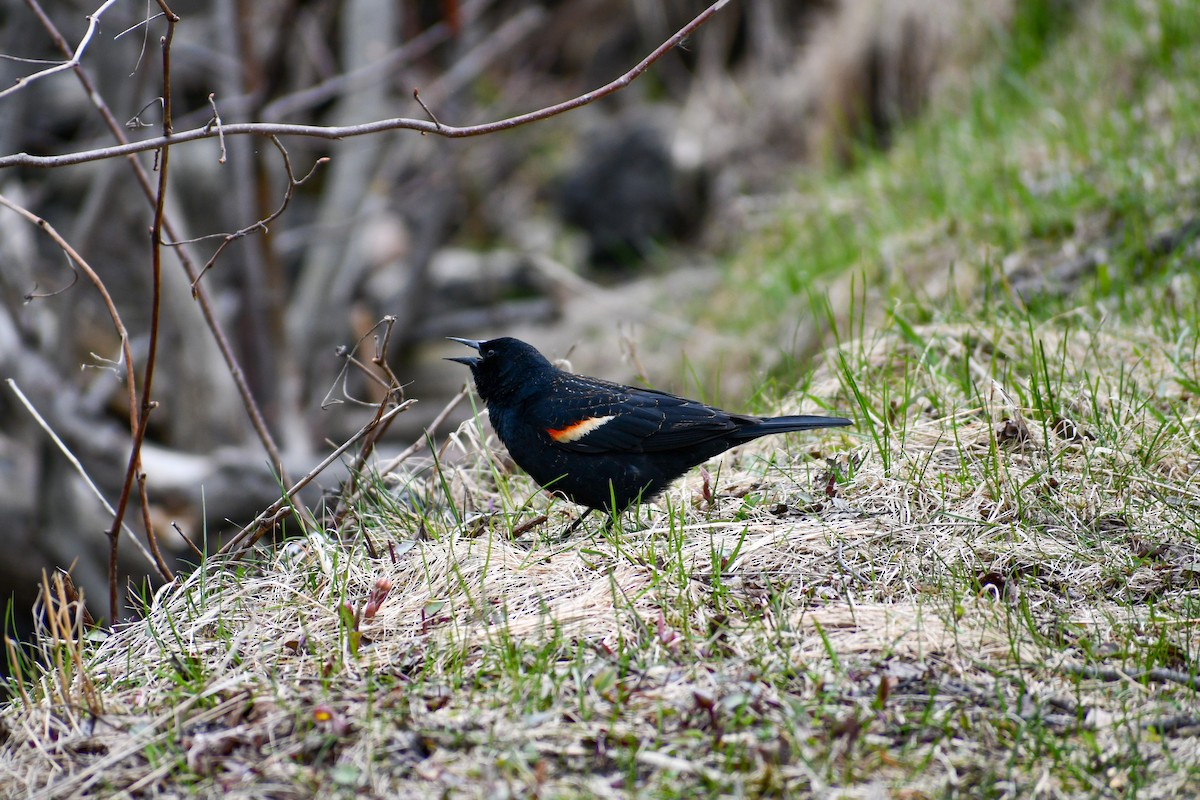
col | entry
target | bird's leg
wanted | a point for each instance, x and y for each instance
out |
(575, 525)
(608, 526)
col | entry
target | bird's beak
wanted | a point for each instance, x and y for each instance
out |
(470, 361)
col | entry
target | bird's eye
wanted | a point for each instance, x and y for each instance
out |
(489, 354)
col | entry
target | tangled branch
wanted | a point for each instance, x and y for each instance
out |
(209, 131)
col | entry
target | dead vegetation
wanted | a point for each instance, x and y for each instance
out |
(988, 588)
(997, 601)
(262, 275)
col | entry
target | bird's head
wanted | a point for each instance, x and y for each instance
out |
(506, 369)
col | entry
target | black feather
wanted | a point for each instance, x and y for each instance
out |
(596, 441)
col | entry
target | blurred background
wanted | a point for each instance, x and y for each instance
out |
(600, 234)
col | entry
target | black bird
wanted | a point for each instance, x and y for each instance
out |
(603, 445)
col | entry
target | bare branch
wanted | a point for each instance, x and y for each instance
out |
(216, 123)
(61, 66)
(66, 451)
(429, 432)
(222, 341)
(364, 129)
(260, 225)
(247, 536)
(86, 268)
(133, 471)
(328, 89)
(394, 393)
(390, 386)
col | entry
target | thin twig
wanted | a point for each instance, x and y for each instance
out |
(164, 570)
(215, 122)
(196, 551)
(421, 103)
(389, 383)
(145, 23)
(260, 225)
(133, 468)
(239, 544)
(423, 442)
(70, 456)
(135, 121)
(72, 62)
(526, 527)
(222, 341)
(78, 260)
(1159, 675)
(393, 393)
(378, 126)
(380, 359)
(379, 69)
(131, 386)
(846, 568)
(34, 294)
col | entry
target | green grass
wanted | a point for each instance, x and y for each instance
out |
(1093, 144)
(987, 589)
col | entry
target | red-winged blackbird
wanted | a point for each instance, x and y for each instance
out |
(603, 445)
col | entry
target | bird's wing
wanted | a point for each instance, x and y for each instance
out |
(590, 416)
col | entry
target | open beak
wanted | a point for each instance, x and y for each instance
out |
(470, 361)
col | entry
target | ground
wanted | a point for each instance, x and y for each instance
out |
(987, 588)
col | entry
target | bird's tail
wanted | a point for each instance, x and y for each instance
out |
(765, 427)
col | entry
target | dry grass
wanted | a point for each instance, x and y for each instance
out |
(988, 590)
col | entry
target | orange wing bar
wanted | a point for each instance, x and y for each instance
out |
(577, 430)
